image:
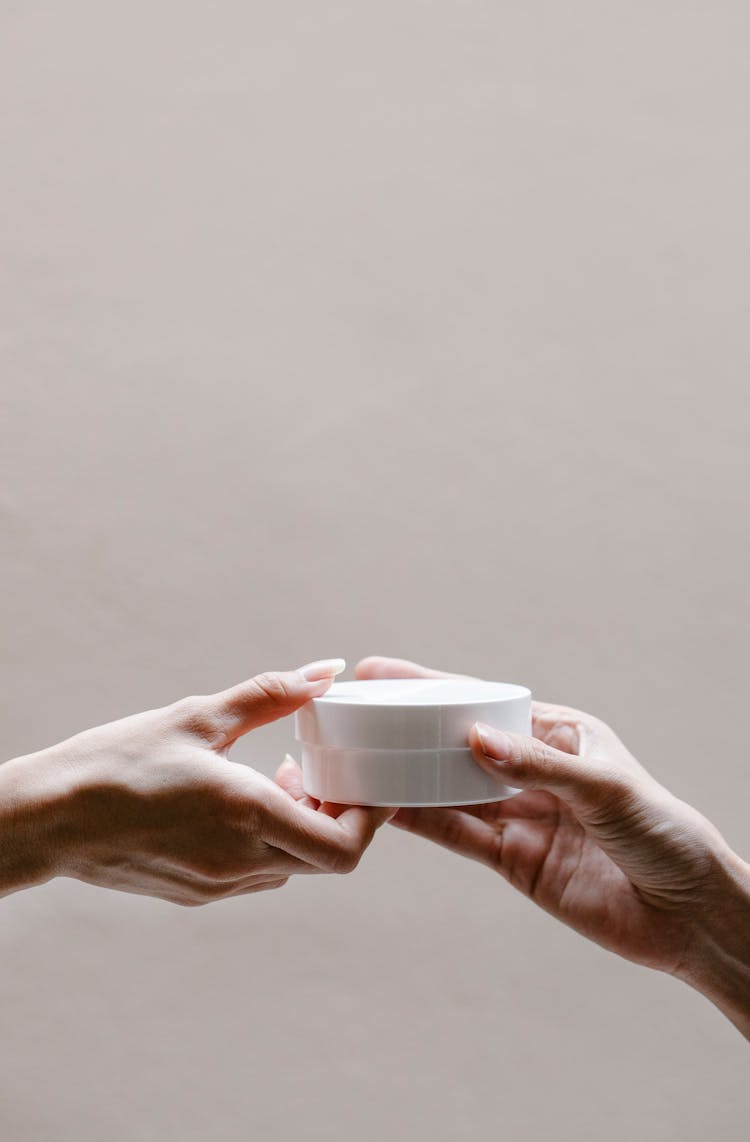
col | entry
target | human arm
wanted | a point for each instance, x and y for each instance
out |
(152, 804)
(596, 841)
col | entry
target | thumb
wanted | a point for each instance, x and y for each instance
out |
(262, 699)
(661, 844)
(586, 783)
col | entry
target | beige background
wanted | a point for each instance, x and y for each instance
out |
(333, 328)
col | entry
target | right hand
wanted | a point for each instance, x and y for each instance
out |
(152, 805)
(599, 843)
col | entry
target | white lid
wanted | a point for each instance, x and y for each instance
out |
(410, 713)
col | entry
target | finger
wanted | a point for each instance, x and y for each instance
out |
(262, 862)
(454, 829)
(277, 862)
(289, 778)
(261, 886)
(586, 783)
(331, 844)
(261, 699)
(193, 894)
(528, 805)
(558, 726)
(574, 731)
(514, 848)
(379, 667)
(335, 809)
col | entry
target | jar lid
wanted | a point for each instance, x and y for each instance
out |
(410, 713)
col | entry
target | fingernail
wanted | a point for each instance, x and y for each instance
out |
(494, 743)
(324, 668)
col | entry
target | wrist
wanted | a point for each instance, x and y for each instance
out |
(34, 792)
(718, 960)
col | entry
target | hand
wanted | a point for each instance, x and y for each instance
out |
(151, 804)
(597, 842)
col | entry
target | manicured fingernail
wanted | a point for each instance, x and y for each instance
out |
(494, 743)
(324, 668)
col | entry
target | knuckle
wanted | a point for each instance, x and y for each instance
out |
(591, 722)
(598, 734)
(205, 893)
(569, 715)
(259, 886)
(273, 687)
(346, 858)
(497, 851)
(452, 832)
(194, 716)
(188, 708)
(536, 754)
(530, 761)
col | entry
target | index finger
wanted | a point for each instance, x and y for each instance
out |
(377, 666)
(334, 844)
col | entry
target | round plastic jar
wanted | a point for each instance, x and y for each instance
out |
(405, 741)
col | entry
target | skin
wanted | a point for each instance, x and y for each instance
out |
(598, 843)
(152, 804)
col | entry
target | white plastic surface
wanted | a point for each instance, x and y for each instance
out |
(405, 741)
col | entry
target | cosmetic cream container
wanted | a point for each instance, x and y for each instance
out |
(405, 741)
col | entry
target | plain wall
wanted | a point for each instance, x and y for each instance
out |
(338, 328)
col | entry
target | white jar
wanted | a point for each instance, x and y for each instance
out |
(405, 741)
